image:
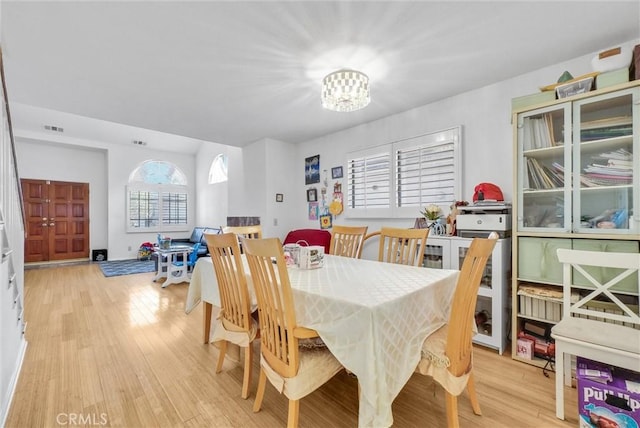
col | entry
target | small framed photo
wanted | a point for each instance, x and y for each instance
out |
(326, 221)
(279, 197)
(312, 195)
(421, 223)
(336, 172)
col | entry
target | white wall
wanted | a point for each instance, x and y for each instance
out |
(281, 178)
(212, 200)
(258, 171)
(266, 170)
(487, 137)
(51, 161)
(122, 160)
(44, 156)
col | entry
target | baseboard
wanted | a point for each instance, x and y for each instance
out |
(6, 405)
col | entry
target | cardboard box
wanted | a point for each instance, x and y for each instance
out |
(612, 78)
(607, 396)
(525, 348)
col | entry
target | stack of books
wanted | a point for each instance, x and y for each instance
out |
(610, 169)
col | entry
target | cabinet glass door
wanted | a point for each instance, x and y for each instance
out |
(436, 254)
(486, 279)
(605, 169)
(544, 166)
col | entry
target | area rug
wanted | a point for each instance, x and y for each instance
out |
(126, 267)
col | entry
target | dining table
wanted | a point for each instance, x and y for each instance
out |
(373, 317)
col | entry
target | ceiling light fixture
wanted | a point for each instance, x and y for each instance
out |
(345, 90)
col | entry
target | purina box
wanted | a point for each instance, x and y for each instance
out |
(607, 396)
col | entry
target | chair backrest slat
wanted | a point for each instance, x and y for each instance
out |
(402, 246)
(347, 240)
(601, 298)
(275, 304)
(460, 333)
(232, 282)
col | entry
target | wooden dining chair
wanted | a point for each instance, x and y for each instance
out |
(347, 241)
(234, 323)
(447, 353)
(294, 370)
(401, 246)
(252, 232)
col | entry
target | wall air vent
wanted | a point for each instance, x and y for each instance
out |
(53, 128)
(139, 143)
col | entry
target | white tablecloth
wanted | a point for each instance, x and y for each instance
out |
(373, 316)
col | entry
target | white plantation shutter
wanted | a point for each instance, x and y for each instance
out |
(427, 170)
(401, 178)
(369, 183)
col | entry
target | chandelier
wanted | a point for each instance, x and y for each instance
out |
(345, 90)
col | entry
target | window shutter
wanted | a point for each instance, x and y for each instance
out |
(400, 178)
(426, 175)
(368, 182)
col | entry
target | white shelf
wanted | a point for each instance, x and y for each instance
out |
(497, 295)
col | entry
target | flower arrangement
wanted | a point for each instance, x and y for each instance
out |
(432, 212)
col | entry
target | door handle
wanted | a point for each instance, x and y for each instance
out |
(44, 224)
(52, 224)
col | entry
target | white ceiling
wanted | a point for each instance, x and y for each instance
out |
(236, 72)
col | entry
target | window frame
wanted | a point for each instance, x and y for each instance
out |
(161, 190)
(450, 136)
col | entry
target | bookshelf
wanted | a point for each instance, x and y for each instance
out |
(577, 181)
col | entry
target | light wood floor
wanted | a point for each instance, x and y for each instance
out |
(121, 351)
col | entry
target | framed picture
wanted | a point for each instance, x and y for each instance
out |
(326, 221)
(336, 172)
(313, 210)
(312, 195)
(421, 223)
(312, 170)
(279, 197)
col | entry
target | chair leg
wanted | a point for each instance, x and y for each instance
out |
(260, 392)
(223, 351)
(294, 412)
(473, 397)
(206, 321)
(559, 380)
(248, 358)
(451, 402)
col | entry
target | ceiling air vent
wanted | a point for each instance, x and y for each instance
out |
(53, 128)
(139, 143)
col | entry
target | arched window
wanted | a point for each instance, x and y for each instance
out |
(157, 198)
(218, 170)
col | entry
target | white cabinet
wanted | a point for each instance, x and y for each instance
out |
(448, 252)
(577, 181)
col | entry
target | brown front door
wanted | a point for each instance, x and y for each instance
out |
(57, 220)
